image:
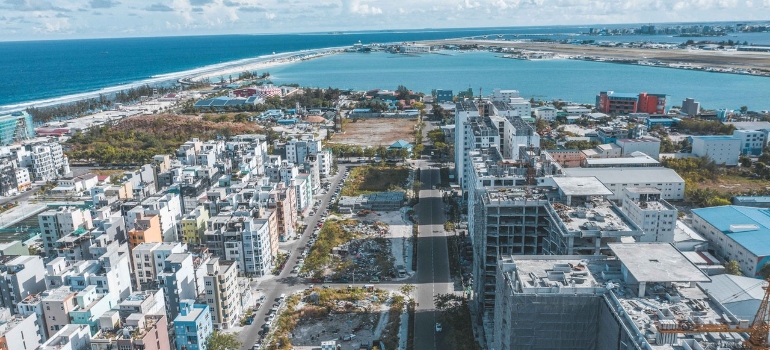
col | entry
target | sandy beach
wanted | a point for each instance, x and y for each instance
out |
(737, 60)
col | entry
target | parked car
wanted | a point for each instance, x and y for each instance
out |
(438, 327)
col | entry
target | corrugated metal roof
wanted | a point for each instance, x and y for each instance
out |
(756, 241)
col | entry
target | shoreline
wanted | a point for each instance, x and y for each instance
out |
(196, 74)
(730, 62)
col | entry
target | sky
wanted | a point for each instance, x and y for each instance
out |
(71, 19)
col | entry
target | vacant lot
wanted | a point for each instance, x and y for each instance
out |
(732, 184)
(376, 132)
(368, 179)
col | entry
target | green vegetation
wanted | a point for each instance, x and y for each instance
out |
(581, 145)
(764, 271)
(284, 325)
(454, 256)
(449, 226)
(137, 140)
(222, 341)
(331, 235)
(368, 179)
(389, 335)
(456, 316)
(705, 127)
(695, 172)
(732, 267)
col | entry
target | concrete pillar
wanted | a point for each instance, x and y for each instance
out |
(642, 286)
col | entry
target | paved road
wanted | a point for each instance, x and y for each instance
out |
(432, 260)
(286, 282)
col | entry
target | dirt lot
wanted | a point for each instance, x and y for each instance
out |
(730, 59)
(730, 184)
(368, 179)
(376, 131)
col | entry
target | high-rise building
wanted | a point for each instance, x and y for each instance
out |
(222, 296)
(178, 281)
(20, 333)
(611, 102)
(690, 107)
(20, 276)
(56, 308)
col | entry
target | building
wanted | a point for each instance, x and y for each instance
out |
(720, 149)
(736, 233)
(414, 48)
(194, 225)
(238, 236)
(596, 302)
(57, 223)
(33, 305)
(284, 201)
(656, 217)
(91, 306)
(222, 294)
(759, 126)
(149, 261)
(690, 107)
(146, 230)
(20, 333)
(739, 294)
(16, 127)
(57, 305)
(666, 180)
(299, 148)
(178, 281)
(193, 326)
(20, 277)
(147, 332)
(648, 145)
(636, 160)
(568, 157)
(547, 113)
(443, 95)
(610, 102)
(752, 141)
(71, 337)
(752, 201)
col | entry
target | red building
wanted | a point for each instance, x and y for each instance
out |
(610, 102)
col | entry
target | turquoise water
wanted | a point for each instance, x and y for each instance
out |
(577, 81)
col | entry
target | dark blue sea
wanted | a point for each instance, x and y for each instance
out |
(44, 70)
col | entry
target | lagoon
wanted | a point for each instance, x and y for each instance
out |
(571, 80)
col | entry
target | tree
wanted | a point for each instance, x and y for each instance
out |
(765, 271)
(732, 267)
(745, 161)
(402, 92)
(222, 341)
(407, 289)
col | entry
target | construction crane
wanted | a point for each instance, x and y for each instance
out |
(758, 329)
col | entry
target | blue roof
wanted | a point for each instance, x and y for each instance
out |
(715, 137)
(362, 110)
(401, 144)
(757, 241)
(203, 103)
(623, 95)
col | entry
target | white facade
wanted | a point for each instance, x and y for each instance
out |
(721, 149)
(546, 113)
(57, 223)
(504, 95)
(649, 146)
(752, 141)
(653, 215)
(325, 161)
(666, 180)
(21, 333)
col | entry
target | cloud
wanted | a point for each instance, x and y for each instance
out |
(103, 4)
(158, 8)
(34, 5)
(197, 9)
(200, 2)
(358, 8)
(62, 15)
(270, 16)
(253, 9)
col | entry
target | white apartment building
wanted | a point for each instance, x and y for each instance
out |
(721, 149)
(299, 148)
(504, 95)
(148, 260)
(655, 216)
(752, 141)
(546, 113)
(648, 145)
(57, 223)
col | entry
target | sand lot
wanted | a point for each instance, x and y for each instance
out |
(376, 132)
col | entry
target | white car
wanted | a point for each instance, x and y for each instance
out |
(438, 327)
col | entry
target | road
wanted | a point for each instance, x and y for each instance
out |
(432, 275)
(431, 278)
(287, 282)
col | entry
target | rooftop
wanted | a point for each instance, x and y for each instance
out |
(747, 226)
(581, 186)
(657, 262)
(715, 137)
(597, 214)
(641, 175)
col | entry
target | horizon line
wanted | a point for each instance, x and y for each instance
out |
(369, 31)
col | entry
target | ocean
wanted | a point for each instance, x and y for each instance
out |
(570, 80)
(37, 71)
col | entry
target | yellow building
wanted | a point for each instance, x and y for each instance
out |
(194, 225)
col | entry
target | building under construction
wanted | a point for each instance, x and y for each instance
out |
(526, 207)
(15, 127)
(645, 296)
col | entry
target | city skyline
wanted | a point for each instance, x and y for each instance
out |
(46, 20)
